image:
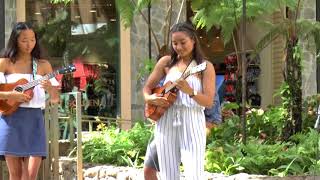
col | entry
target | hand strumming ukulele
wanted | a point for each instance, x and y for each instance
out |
(7, 107)
(169, 91)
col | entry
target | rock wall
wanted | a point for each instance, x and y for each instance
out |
(124, 173)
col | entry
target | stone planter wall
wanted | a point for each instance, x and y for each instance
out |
(67, 170)
(126, 173)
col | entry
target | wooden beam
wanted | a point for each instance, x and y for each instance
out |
(125, 77)
(54, 139)
(21, 10)
(79, 137)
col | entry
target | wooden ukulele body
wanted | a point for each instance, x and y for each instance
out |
(8, 106)
(155, 112)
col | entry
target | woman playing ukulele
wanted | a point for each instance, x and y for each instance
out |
(22, 133)
(180, 132)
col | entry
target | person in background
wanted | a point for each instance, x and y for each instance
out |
(180, 133)
(22, 133)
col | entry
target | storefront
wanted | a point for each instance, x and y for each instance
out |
(85, 33)
(108, 56)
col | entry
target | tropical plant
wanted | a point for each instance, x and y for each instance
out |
(129, 9)
(293, 30)
(217, 13)
(118, 147)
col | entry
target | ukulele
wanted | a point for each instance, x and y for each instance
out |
(7, 107)
(169, 91)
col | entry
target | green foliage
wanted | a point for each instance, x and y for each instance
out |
(259, 157)
(267, 124)
(220, 161)
(55, 41)
(309, 112)
(129, 8)
(146, 68)
(224, 153)
(227, 14)
(296, 157)
(229, 131)
(126, 10)
(118, 147)
(264, 153)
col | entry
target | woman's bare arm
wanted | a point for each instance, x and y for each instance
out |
(157, 74)
(52, 90)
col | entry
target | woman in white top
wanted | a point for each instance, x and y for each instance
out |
(180, 133)
(22, 133)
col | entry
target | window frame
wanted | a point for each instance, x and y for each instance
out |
(2, 28)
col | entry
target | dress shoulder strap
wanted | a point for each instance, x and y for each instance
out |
(34, 68)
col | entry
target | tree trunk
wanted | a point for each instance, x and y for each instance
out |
(293, 78)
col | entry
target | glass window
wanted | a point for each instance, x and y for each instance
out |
(84, 33)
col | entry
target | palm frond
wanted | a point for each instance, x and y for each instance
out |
(276, 31)
(141, 4)
(306, 28)
(227, 14)
(126, 9)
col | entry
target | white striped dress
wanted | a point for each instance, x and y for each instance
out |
(180, 135)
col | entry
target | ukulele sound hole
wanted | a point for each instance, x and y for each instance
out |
(18, 88)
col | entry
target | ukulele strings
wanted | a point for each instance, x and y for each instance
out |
(173, 84)
(36, 82)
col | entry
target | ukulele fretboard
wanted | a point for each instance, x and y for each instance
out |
(38, 81)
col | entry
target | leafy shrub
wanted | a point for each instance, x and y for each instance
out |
(114, 146)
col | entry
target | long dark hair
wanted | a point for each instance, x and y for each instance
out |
(11, 50)
(188, 28)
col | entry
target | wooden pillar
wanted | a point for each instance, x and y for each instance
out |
(1, 169)
(54, 137)
(125, 77)
(21, 10)
(79, 136)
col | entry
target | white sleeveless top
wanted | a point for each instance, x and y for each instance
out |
(38, 100)
(183, 99)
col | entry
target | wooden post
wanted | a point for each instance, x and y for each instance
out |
(79, 136)
(54, 141)
(44, 172)
(90, 126)
(71, 130)
(1, 169)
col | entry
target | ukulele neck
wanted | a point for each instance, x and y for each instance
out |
(38, 81)
(173, 85)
